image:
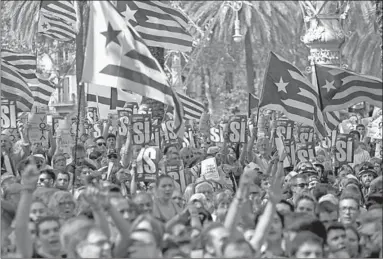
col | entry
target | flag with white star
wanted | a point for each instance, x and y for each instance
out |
(341, 88)
(287, 90)
(116, 56)
(158, 24)
(57, 20)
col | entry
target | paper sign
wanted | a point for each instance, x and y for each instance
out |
(305, 152)
(344, 152)
(305, 134)
(285, 128)
(38, 128)
(147, 164)
(237, 129)
(176, 171)
(123, 125)
(142, 126)
(209, 169)
(8, 114)
(290, 147)
(92, 115)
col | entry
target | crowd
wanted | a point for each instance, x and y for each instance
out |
(95, 206)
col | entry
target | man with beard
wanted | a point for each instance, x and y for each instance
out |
(366, 175)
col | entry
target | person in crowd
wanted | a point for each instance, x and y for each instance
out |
(62, 181)
(348, 209)
(298, 185)
(360, 155)
(327, 210)
(47, 178)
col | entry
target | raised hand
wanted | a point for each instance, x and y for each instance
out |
(30, 176)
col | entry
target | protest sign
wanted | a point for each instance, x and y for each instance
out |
(175, 170)
(209, 169)
(374, 129)
(344, 149)
(305, 152)
(142, 127)
(237, 129)
(156, 135)
(92, 115)
(38, 128)
(305, 134)
(188, 140)
(216, 133)
(65, 139)
(123, 125)
(285, 128)
(8, 114)
(147, 164)
(169, 136)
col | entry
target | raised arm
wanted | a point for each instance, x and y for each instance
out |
(24, 242)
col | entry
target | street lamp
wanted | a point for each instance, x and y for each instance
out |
(236, 6)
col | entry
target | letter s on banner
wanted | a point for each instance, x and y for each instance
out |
(344, 152)
(8, 115)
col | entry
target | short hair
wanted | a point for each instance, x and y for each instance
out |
(111, 135)
(335, 226)
(54, 158)
(294, 179)
(236, 242)
(64, 173)
(302, 238)
(349, 196)
(322, 189)
(162, 176)
(220, 197)
(49, 172)
(280, 215)
(355, 132)
(305, 196)
(78, 147)
(45, 219)
(326, 207)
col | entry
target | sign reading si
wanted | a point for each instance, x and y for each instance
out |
(216, 133)
(344, 149)
(305, 152)
(237, 129)
(306, 134)
(167, 127)
(156, 135)
(142, 126)
(174, 170)
(290, 147)
(188, 140)
(147, 164)
(285, 128)
(8, 114)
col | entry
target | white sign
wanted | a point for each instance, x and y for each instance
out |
(209, 169)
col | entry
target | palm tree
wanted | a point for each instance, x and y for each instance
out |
(363, 49)
(265, 24)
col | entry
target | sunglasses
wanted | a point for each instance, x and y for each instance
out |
(101, 144)
(43, 179)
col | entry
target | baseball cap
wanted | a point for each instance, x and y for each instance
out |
(366, 171)
(330, 198)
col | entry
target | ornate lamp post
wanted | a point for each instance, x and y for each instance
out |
(236, 6)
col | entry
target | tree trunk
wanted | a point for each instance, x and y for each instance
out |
(206, 83)
(229, 81)
(158, 108)
(249, 62)
(80, 55)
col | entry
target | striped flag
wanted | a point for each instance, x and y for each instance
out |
(192, 109)
(116, 56)
(42, 91)
(24, 63)
(14, 87)
(287, 90)
(158, 23)
(332, 119)
(341, 88)
(58, 20)
(105, 100)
